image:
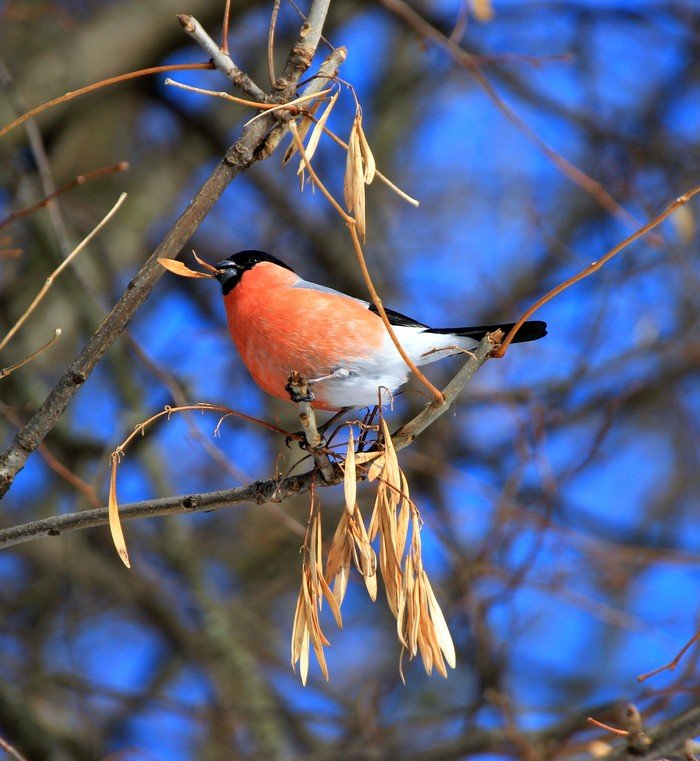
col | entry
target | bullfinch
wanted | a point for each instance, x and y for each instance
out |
(338, 343)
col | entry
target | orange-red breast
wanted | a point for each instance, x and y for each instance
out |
(282, 323)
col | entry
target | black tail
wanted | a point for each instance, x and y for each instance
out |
(529, 331)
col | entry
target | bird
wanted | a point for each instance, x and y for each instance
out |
(281, 323)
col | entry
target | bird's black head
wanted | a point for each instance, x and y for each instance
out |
(231, 270)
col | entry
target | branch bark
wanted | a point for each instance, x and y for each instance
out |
(259, 493)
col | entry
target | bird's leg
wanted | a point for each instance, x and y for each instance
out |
(340, 373)
(298, 387)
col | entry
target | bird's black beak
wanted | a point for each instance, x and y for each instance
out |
(228, 274)
(225, 269)
(226, 264)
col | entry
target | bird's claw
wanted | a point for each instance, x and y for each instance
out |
(299, 391)
(295, 397)
(300, 439)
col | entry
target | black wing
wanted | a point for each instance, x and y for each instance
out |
(532, 330)
(396, 318)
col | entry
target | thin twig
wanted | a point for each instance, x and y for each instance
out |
(595, 266)
(607, 727)
(671, 665)
(50, 279)
(224, 27)
(81, 179)
(5, 371)
(221, 59)
(264, 108)
(201, 407)
(102, 83)
(11, 750)
(460, 26)
(271, 43)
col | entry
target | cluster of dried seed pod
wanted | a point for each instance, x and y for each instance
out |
(421, 625)
(307, 628)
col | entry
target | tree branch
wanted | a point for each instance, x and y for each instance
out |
(303, 51)
(239, 157)
(223, 61)
(258, 492)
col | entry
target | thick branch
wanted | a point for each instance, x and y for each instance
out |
(259, 492)
(303, 51)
